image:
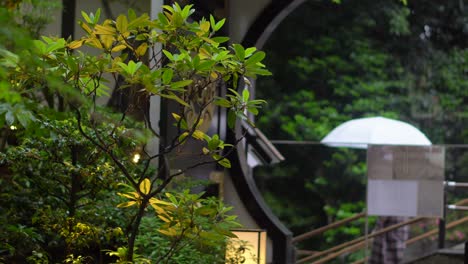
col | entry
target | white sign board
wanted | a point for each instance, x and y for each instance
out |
(405, 180)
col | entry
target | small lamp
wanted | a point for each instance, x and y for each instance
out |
(248, 248)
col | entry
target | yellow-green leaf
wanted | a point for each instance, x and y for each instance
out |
(205, 150)
(157, 201)
(176, 116)
(75, 44)
(141, 50)
(130, 195)
(93, 41)
(200, 122)
(212, 42)
(107, 41)
(118, 48)
(158, 209)
(198, 134)
(126, 204)
(85, 27)
(176, 98)
(121, 23)
(104, 30)
(204, 54)
(164, 219)
(183, 136)
(168, 232)
(145, 186)
(204, 28)
(225, 163)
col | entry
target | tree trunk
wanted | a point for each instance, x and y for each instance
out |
(134, 231)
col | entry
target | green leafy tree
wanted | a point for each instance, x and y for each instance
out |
(80, 162)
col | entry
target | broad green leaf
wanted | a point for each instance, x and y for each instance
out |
(219, 24)
(253, 110)
(40, 47)
(130, 68)
(224, 232)
(206, 65)
(140, 21)
(220, 39)
(167, 76)
(24, 117)
(239, 51)
(162, 19)
(256, 57)
(176, 98)
(86, 17)
(222, 161)
(168, 55)
(187, 11)
(9, 58)
(245, 95)
(180, 84)
(9, 118)
(213, 143)
(234, 92)
(131, 14)
(250, 51)
(97, 16)
(253, 71)
(223, 102)
(212, 22)
(231, 119)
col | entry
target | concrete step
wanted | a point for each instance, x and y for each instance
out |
(452, 255)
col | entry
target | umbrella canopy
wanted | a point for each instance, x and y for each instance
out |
(358, 133)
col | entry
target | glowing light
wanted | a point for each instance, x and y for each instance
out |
(13, 127)
(136, 158)
(249, 247)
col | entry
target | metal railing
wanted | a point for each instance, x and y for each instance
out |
(361, 242)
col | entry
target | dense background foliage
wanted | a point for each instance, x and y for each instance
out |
(356, 59)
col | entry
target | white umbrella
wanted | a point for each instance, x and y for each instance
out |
(358, 133)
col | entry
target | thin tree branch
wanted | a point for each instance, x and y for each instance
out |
(107, 151)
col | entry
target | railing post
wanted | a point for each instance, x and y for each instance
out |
(466, 252)
(441, 243)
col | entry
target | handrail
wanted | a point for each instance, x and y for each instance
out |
(306, 252)
(360, 239)
(434, 231)
(348, 246)
(426, 235)
(326, 228)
